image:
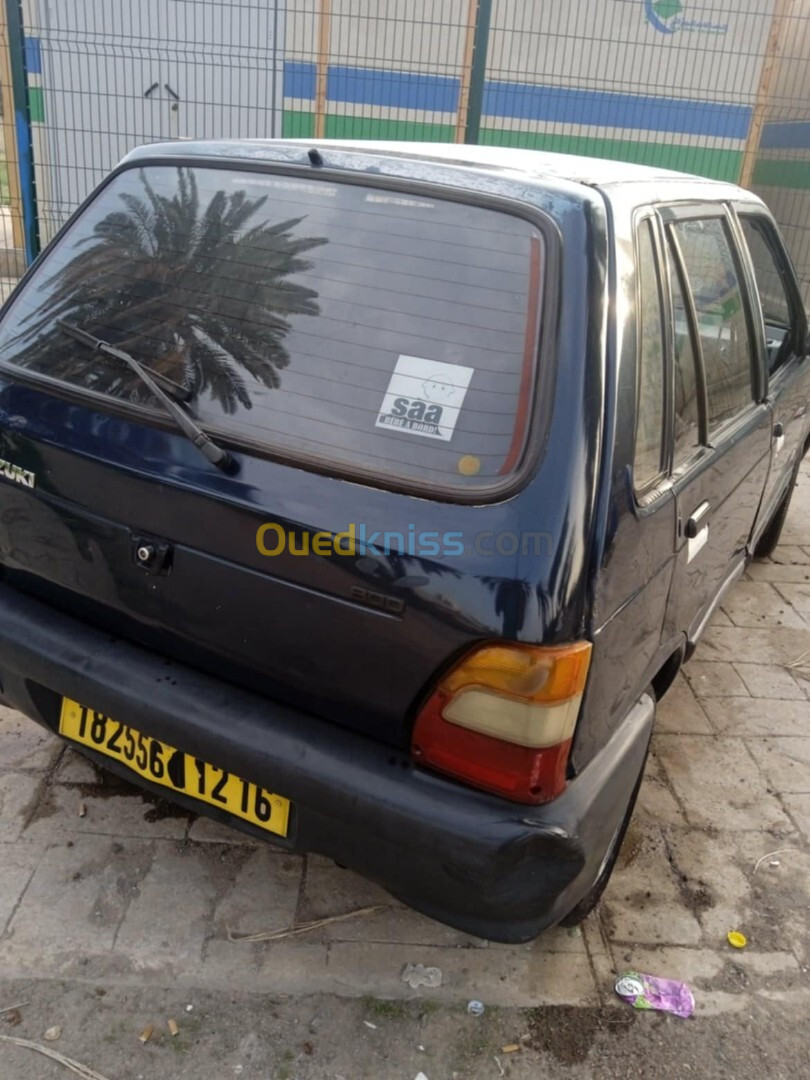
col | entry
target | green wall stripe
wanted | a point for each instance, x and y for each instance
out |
(372, 127)
(783, 174)
(36, 104)
(296, 124)
(705, 161)
(719, 164)
(301, 125)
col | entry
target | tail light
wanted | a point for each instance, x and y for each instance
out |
(503, 719)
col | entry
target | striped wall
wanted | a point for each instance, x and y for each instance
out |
(783, 160)
(572, 76)
(637, 80)
(681, 133)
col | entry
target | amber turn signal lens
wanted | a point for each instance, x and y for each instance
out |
(502, 720)
(529, 672)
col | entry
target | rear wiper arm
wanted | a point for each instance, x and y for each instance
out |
(173, 389)
(162, 388)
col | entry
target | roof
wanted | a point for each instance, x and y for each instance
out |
(532, 164)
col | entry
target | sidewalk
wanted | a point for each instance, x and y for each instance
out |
(136, 893)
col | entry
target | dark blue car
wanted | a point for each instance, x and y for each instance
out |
(367, 496)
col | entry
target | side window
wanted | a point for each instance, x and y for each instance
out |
(770, 269)
(687, 412)
(722, 325)
(650, 378)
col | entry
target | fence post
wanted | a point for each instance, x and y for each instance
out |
(478, 71)
(322, 75)
(769, 62)
(463, 112)
(10, 144)
(22, 125)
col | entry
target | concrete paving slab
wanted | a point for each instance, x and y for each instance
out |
(714, 679)
(721, 619)
(263, 894)
(24, 745)
(73, 904)
(759, 604)
(794, 554)
(642, 901)
(74, 768)
(18, 796)
(509, 975)
(168, 921)
(758, 716)
(656, 801)
(777, 645)
(714, 882)
(18, 863)
(798, 806)
(718, 783)
(680, 712)
(796, 573)
(70, 810)
(770, 681)
(784, 762)
(735, 893)
(797, 595)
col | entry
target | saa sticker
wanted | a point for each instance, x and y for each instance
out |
(424, 397)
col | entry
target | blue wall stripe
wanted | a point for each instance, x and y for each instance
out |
(569, 106)
(401, 89)
(550, 104)
(33, 55)
(299, 79)
(789, 135)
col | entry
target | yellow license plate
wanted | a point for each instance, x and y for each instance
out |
(174, 769)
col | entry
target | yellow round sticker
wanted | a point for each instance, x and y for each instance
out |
(469, 465)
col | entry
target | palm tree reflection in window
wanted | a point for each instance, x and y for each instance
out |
(196, 293)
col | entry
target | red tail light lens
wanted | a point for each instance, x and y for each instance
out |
(503, 719)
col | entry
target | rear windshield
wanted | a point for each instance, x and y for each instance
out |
(376, 332)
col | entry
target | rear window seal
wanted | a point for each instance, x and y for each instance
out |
(538, 412)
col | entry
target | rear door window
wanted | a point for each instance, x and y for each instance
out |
(772, 274)
(722, 325)
(650, 381)
(371, 331)
(687, 386)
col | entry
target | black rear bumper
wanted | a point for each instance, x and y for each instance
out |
(489, 867)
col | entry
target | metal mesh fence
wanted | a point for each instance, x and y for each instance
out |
(717, 87)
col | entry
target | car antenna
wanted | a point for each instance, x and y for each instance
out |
(315, 158)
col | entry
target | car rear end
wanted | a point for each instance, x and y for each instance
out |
(363, 635)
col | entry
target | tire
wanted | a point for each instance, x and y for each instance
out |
(586, 905)
(767, 543)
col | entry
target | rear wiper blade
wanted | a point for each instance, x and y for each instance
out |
(163, 389)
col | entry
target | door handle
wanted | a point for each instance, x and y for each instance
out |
(778, 436)
(693, 524)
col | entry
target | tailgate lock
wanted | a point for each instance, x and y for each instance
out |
(153, 556)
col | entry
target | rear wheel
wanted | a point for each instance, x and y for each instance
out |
(767, 543)
(586, 905)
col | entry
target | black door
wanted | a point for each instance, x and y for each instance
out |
(782, 331)
(721, 422)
